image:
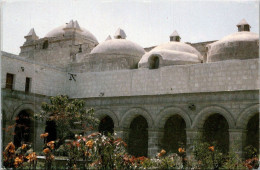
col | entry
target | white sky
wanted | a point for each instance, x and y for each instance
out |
(145, 22)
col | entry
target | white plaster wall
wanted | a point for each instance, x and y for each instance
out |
(46, 80)
(230, 75)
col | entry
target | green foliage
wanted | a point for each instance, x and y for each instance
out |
(250, 152)
(69, 115)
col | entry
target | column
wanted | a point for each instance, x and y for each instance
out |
(121, 133)
(237, 138)
(154, 139)
(192, 135)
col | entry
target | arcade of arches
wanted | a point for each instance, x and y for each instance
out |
(147, 141)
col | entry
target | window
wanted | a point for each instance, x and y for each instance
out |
(154, 62)
(9, 81)
(27, 84)
(246, 28)
(45, 44)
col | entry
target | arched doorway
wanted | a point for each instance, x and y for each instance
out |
(24, 128)
(252, 136)
(174, 134)
(154, 62)
(51, 130)
(106, 126)
(138, 137)
(215, 132)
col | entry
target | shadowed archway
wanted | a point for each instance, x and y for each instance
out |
(252, 135)
(24, 128)
(106, 125)
(174, 134)
(138, 137)
(215, 132)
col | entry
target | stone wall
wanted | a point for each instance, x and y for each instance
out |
(236, 107)
(230, 75)
(45, 80)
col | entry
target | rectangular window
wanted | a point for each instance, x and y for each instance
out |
(27, 84)
(9, 81)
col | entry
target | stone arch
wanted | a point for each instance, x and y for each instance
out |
(166, 113)
(30, 109)
(245, 116)
(133, 113)
(101, 113)
(26, 106)
(154, 61)
(210, 110)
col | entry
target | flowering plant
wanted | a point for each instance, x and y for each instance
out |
(16, 158)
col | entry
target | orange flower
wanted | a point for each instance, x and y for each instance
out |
(46, 150)
(181, 150)
(17, 162)
(89, 144)
(31, 157)
(163, 152)
(52, 157)
(87, 154)
(10, 147)
(44, 135)
(51, 144)
(211, 148)
(24, 146)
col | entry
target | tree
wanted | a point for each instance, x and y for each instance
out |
(68, 114)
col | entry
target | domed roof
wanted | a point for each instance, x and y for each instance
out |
(238, 36)
(118, 46)
(177, 46)
(171, 53)
(60, 31)
(239, 45)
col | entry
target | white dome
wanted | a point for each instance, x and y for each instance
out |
(119, 46)
(59, 31)
(238, 36)
(171, 53)
(239, 45)
(177, 46)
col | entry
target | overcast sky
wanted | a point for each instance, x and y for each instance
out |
(145, 22)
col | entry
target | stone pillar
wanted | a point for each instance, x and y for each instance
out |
(154, 140)
(38, 128)
(121, 133)
(192, 135)
(237, 138)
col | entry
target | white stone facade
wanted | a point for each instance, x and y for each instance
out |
(113, 84)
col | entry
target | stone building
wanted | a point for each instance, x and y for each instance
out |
(154, 98)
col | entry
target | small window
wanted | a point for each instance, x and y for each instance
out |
(246, 28)
(9, 81)
(45, 45)
(154, 63)
(27, 84)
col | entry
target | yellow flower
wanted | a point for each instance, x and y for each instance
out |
(211, 148)
(89, 144)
